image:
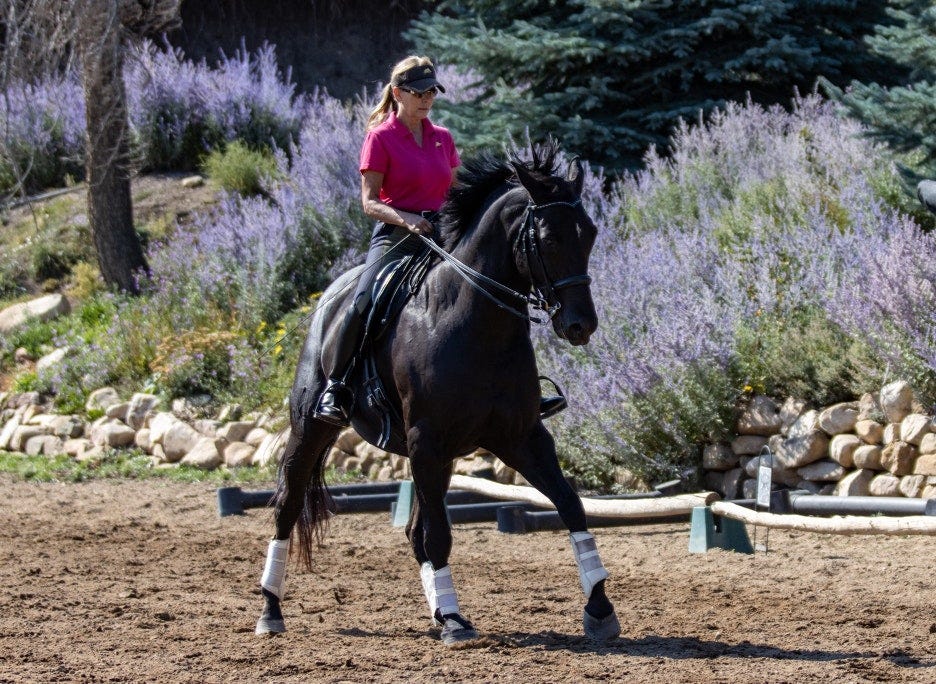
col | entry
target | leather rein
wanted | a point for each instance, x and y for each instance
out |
(544, 297)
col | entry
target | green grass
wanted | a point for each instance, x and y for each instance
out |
(121, 465)
(134, 465)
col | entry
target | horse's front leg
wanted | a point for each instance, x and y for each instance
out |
(431, 535)
(537, 462)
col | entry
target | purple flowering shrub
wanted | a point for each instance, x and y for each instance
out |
(180, 110)
(256, 258)
(41, 133)
(760, 219)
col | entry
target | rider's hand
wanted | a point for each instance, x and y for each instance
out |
(420, 225)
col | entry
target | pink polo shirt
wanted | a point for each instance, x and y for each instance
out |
(415, 178)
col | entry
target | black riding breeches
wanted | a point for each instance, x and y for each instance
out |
(388, 243)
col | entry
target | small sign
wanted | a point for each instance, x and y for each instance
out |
(764, 478)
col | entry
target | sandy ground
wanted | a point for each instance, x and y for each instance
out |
(143, 582)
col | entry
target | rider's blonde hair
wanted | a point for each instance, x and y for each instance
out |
(387, 103)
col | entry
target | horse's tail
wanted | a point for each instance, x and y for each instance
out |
(315, 501)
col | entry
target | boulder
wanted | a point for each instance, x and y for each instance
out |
(23, 434)
(761, 416)
(928, 443)
(230, 412)
(925, 465)
(748, 445)
(795, 452)
(898, 457)
(842, 449)
(49, 445)
(67, 427)
(719, 457)
(336, 458)
(869, 431)
(140, 405)
(179, 440)
(235, 431)
(348, 440)
(44, 308)
(912, 486)
(101, 399)
(891, 433)
(118, 411)
(869, 408)
(159, 425)
(256, 436)
(884, 484)
(6, 434)
(822, 471)
(896, 401)
(111, 433)
(204, 454)
(914, 427)
(209, 428)
(856, 483)
(838, 419)
(238, 454)
(77, 446)
(789, 412)
(868, 457)
(731, 484)
(143, 440)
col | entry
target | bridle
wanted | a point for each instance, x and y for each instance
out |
(547, 299)
(544, 297)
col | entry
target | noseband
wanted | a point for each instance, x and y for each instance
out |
(544, 297)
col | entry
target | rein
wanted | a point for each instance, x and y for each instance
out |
(545, 298)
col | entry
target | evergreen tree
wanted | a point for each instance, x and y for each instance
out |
(903, 116)
(610, 77)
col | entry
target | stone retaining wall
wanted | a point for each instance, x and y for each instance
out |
(881, 445)
(182, 435)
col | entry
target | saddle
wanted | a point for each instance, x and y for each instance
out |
(394, 285)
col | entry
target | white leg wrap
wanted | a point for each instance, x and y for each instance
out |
(439, 589)
(274, 572)
(591, 571)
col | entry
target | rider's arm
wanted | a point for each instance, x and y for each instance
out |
(371, 182)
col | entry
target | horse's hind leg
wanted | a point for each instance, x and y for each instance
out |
(537, 462)
(301, 465)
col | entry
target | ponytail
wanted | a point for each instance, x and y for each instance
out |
(387, 104)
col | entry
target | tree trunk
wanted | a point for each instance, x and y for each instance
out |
(107, 165)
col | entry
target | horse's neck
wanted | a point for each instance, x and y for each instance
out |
(489, 246)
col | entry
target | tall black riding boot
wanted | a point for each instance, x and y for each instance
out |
(334, 406)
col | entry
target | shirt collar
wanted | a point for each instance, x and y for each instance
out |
(400, 128)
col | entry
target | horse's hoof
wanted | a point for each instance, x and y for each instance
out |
(270, 626)
(602, 629)
(456, 629)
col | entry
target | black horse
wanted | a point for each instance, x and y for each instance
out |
(461, 374)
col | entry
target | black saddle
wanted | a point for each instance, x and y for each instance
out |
(394, 285)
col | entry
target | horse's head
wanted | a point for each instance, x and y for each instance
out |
(555, 243)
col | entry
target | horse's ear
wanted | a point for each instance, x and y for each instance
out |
(576, 175)
(526, 178)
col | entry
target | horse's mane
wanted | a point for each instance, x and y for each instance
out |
(481, 175)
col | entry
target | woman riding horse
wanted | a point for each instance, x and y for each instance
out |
(457, 364)
(407, 166)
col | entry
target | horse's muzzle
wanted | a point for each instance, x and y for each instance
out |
(577, 334)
